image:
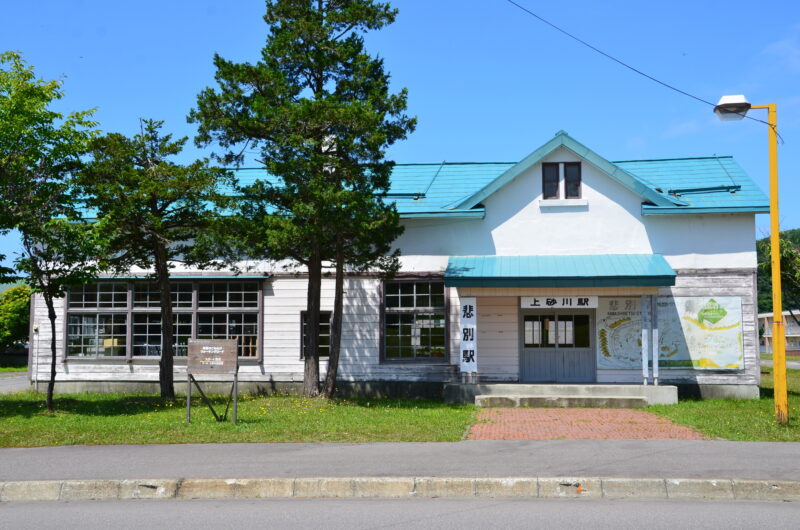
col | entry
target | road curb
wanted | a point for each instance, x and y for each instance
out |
(402, 487)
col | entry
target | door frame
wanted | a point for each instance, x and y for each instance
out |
(561, 311)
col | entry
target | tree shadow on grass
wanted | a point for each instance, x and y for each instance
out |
(32, 404)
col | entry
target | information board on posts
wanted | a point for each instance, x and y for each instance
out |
(212, 357)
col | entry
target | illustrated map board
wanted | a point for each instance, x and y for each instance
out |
(696, 332)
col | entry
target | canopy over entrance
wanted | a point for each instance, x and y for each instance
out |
(600, 270)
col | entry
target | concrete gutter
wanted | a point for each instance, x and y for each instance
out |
(402, 487)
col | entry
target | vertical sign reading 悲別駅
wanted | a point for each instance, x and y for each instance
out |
(619, 333)
(469, 335)
(700, 332)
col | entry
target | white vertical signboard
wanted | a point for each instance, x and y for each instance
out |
(469, 335)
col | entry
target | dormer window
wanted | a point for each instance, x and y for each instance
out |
(552, 173)
(572, 180)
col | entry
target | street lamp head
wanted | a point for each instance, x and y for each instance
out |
(732, 107)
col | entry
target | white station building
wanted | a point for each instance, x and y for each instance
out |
(562, 268)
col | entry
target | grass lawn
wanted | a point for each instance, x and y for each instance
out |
(97, 419)
(732, 419)
(4, 369)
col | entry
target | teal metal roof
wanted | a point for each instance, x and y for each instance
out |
(602, 270)
(704, 185)
(667, 186)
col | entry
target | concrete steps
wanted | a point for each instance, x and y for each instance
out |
(561, 395)
(612, 402)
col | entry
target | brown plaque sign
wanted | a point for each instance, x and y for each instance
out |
(212, 357)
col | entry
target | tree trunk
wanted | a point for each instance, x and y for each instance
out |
(311, 371)
(336, 326)
(165, 365)
(51, 384)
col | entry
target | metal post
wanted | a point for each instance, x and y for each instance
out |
(645, 311)
(235, 395)
(778, 338)
(188, 397)
(654, 320)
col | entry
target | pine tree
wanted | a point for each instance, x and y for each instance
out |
(320, 112)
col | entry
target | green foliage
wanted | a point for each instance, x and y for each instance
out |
(790, 272)
(145, 202)
(319, 110)
(39, 150)
(15, 305)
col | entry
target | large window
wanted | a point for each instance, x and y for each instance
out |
(123, 320)
(414, 321)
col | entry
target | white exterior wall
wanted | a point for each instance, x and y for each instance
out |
(611, 223)
(284, 300)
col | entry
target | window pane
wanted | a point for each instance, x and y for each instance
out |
(324, 333)
(572, 180)
(549, 181)
(419, 333)
(242, 327)
(97, 335)
(548, 330)
(110, 295)
(581, 331)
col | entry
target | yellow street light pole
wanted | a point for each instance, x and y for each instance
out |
(736, 107)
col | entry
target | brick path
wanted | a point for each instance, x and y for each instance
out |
(573, 424)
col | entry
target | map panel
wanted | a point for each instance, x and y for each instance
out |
(619, 333)
(700, 332)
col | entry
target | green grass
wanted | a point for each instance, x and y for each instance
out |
(98, 419)
(13, 369)
(747, 420)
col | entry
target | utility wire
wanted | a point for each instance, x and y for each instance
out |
(629, 67)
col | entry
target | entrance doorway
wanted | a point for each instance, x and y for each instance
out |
(557, 347)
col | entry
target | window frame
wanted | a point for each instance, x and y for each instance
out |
(557, 166)
(195, 310)
(580, 180)
(322, 313)
(561, 181)
(445, 359)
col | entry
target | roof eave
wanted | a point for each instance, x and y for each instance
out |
(474, 213)
(688, 210)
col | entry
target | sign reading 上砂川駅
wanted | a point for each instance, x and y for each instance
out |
(469, 335)
(212, 357)
(558, 302)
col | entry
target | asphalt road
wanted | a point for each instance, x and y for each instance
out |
(13, 382)
(548, 458)
(351, 514)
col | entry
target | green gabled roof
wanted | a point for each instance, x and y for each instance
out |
(562, 139)
(667, 186)
(714, 184)
(598, 270)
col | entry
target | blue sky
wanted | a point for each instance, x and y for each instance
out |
(487, 81)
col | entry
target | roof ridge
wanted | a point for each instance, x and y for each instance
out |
(676, 158)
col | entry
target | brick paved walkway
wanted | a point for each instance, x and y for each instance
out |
(574, 424)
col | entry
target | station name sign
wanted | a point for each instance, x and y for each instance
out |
(558, 302)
